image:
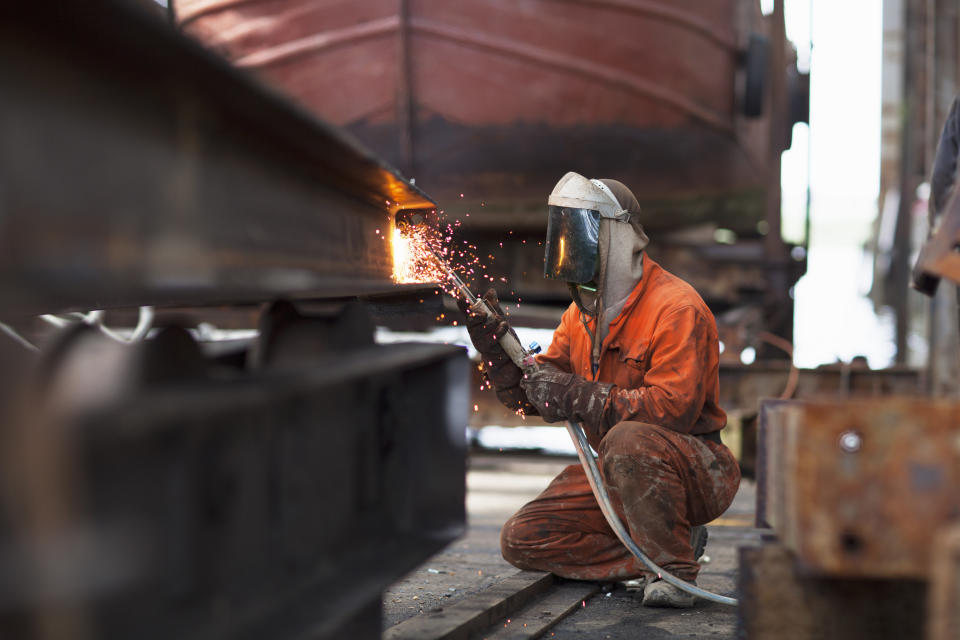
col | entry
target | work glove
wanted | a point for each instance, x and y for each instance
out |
(564, 396)
(485, 332)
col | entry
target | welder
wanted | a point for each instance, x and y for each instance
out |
(635, 360)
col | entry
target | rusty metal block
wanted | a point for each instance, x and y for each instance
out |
(769, 498)
(944, 592)
(858, 488)
(780, 602)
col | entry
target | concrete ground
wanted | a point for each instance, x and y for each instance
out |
(497, 485)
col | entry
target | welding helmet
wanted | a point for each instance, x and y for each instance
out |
(574, 210)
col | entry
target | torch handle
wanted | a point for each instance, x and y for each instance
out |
(516, 352)
(511, 344)
(509, 341)
(454, 278)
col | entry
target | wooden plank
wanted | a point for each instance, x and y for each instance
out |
(475, 613)
(543, 614)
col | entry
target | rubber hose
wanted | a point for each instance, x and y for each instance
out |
(603, 499)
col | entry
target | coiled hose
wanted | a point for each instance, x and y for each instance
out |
(600, 493)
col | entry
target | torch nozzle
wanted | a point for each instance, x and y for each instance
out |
(455, 278)
(416, 217)
(411, 217)
(510, 342)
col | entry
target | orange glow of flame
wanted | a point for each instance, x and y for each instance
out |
(426, 254)
(412, 260)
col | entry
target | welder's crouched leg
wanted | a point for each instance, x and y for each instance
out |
(661, 483)
(564, 532)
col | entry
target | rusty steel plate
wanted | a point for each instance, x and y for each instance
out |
(858, 488)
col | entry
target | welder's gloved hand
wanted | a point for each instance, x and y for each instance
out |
(484, 330)
(564, 396)
(485, 333)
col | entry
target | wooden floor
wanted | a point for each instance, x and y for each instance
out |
(470, 580)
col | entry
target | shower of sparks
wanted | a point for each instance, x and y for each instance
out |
(412, 260)
(416, 249)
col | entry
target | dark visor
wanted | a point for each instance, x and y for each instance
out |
(571, 251)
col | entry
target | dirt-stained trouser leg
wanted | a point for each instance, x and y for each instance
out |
(661, 482)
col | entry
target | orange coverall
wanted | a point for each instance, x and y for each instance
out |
(662, 355)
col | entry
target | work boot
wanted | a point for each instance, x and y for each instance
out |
(660, 593)
(698, 540)
(636, 585)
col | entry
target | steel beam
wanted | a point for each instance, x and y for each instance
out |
(140, 168)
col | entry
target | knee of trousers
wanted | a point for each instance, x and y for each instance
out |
(634, 439)
(515, 539)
